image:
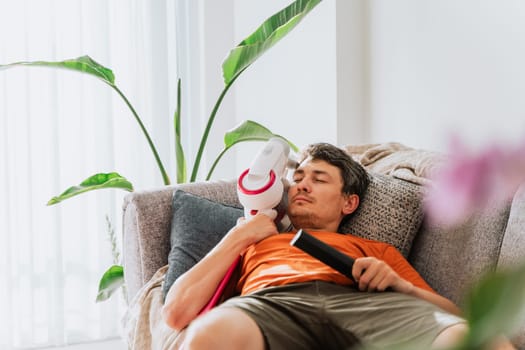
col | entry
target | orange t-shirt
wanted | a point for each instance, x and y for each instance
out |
(274, 262)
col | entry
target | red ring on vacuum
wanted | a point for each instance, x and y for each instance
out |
(258, 190)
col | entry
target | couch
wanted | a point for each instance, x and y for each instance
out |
(450, 259)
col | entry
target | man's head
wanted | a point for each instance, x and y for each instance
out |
(327, 186)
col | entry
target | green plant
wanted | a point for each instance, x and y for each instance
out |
(241, 57)
(494, 307)
(115, 274)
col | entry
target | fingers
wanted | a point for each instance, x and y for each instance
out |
(263, 218)
(257, 220)
(257, 227)
(360, 265)
(372, 279)
(372, 274)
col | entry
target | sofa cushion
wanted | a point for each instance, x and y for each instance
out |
(391, 211)
(197, 225)
(451, 258)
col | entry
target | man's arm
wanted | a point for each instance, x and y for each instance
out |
(192, 290)
(372, 274)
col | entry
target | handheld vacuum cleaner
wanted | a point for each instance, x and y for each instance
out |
(261, 188)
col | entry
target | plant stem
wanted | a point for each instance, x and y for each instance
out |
(215, 163)
(165, 176)
(115, 253)
(179, 152)
(204, 138)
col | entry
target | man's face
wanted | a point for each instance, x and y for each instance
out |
(315, 198)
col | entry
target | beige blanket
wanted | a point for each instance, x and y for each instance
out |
(402, 162)
(143, 323)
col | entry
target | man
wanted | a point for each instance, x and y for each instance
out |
(289, 300)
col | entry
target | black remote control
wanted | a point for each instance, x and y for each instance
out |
(324, 252)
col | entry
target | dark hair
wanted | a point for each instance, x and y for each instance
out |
(355, 177)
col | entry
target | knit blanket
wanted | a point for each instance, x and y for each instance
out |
(395, 159)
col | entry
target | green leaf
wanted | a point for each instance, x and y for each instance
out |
(268, 34)
(86, 64)
(95, 182)
(494, 306)
(249, 130)
(244, 132)
(112, 279)
(83, 64)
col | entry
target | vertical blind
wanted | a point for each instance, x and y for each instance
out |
(59, 127)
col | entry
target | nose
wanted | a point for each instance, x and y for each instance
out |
(303, 185)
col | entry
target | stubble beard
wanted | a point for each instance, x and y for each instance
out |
(303, 219)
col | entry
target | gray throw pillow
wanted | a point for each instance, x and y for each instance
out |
(197, 225)
(391, 211)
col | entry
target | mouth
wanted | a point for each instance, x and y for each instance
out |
(301, 198)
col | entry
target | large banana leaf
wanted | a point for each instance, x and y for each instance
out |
(246, 131)
(112, 279)
(86, 64)
(268, 34)
(243, 55)
(83, 64)
(95, 182)
(251, 131)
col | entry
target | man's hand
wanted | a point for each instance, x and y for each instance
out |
(256, 229)
(372, 274)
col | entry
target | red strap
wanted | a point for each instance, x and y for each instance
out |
(220, 288)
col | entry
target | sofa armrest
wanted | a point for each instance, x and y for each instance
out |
(513, 245)
(147, 225)
(512, 252)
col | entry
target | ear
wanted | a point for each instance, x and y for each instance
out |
(351, 202)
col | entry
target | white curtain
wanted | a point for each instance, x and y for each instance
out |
(58, 127)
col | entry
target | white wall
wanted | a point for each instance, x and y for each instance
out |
(352, 72)
(443, 66)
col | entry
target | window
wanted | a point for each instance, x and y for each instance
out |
(58, 127)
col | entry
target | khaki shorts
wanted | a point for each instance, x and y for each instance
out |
(321, 315)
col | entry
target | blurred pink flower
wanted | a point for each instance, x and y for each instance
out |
(469, 182)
